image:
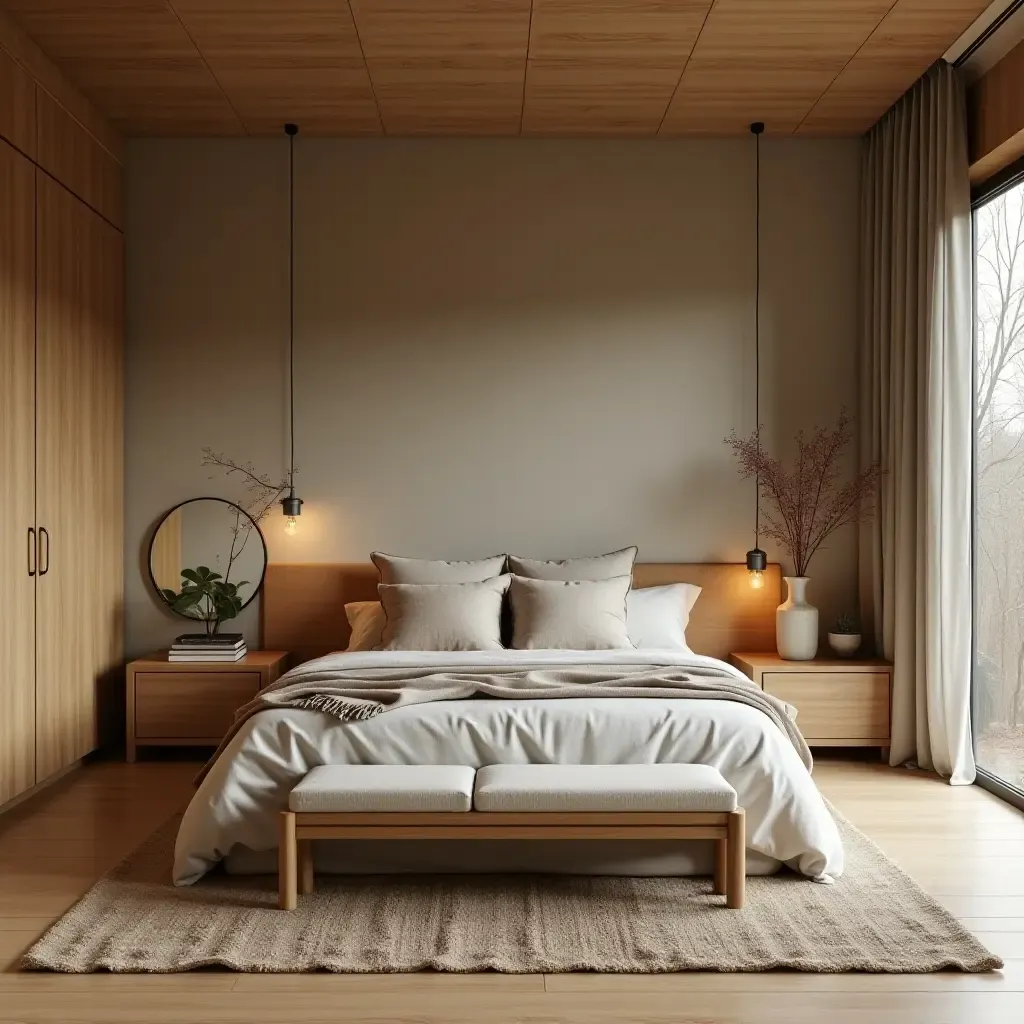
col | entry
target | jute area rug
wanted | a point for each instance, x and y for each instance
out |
(875, 918)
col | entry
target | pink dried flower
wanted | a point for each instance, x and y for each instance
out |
(809, 502)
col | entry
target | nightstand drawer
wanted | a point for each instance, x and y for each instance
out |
(836, 707)
(190, 705)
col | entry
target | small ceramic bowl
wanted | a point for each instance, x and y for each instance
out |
(845, 645)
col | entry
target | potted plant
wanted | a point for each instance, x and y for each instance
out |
(845, 639)
(807, 505)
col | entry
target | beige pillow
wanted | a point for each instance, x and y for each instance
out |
(579, 615)
(395, 569)
(597, 567)
(443, 617)
(366, 620)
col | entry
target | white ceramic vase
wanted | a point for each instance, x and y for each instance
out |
(796, 622)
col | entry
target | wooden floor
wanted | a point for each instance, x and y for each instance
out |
(963, 845)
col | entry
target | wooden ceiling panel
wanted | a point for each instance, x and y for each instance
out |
(623, 32)
(757, 61)
(134, 60)
(470, 30)
(302, 63)
(903, 46)
(433, 98)
(595, 98)
(446, 67)
(494, 67)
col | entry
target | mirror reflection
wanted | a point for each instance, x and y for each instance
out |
(207, 559)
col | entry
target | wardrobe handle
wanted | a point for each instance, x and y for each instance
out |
(31, 551)
(42, 534)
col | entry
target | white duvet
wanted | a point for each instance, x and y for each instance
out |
(234, 813)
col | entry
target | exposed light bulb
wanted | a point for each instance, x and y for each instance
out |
(291, 525)
(757, 579)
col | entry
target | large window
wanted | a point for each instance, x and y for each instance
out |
(999, 487)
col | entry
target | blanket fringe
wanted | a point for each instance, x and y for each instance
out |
(339, 707)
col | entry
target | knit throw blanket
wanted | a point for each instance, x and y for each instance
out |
(355, 694)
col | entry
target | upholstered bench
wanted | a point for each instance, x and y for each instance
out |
(644, 801)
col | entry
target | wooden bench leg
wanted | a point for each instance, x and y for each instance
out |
(721, 861)
(287, 863)
(736, 857)
(306, 879)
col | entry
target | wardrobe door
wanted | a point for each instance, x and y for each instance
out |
(17, 459)
(78, 471)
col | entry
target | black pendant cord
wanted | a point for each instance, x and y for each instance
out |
(292, 131)
(757, 128)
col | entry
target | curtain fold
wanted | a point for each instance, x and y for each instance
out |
(916, 417)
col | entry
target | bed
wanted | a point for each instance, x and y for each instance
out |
(233, 816)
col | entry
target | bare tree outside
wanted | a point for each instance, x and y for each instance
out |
(999, 487)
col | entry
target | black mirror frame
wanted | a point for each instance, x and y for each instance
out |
(167, 515)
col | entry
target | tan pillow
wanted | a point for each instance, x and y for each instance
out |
(579, 615)
(366, 619)
(597, 567)
(395, 569)
(443, 617)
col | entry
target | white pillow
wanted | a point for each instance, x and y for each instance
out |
(443, 617)
(597, 567)
(366, 618)
(395, 569)
(656, 617)
(578, 615)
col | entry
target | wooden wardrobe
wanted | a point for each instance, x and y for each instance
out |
(61, 442)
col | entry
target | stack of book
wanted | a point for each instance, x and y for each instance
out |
(203, 647)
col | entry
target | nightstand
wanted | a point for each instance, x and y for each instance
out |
(170, 704)
(842, 702)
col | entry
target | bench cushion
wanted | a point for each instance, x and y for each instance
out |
(384, 787)
(602, 787)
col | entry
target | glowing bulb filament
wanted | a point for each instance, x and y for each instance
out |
(291, 525)
(756, 579)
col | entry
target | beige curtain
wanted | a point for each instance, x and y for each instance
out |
(916, 410)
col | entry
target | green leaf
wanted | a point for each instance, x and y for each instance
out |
(192, 575)
(187, 601)
(168, 595)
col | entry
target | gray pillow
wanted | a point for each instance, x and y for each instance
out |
(597, 567)
(443, 616)
(395, 569)
(579, 615)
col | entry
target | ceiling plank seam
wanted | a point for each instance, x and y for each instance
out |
(366, 64)
(682, 70)
(526, 66)
(853, 57)
(206, 64)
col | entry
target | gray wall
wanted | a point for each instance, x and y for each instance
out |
(525, 345)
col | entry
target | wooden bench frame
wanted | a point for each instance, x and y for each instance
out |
(299, 828)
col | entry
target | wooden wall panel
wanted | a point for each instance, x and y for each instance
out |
(995, 105)
(79, 489)
(17, 457)
(17, 106)
(67, 151)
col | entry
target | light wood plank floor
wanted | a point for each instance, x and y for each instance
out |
(963, 845)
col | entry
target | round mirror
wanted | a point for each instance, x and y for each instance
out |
(207, 559)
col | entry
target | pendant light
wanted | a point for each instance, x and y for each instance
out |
(291, 505)
(757, 560)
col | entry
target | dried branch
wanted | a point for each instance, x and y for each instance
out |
(261, 493)
(809, 502)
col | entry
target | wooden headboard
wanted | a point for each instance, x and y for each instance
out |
(303, 604)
